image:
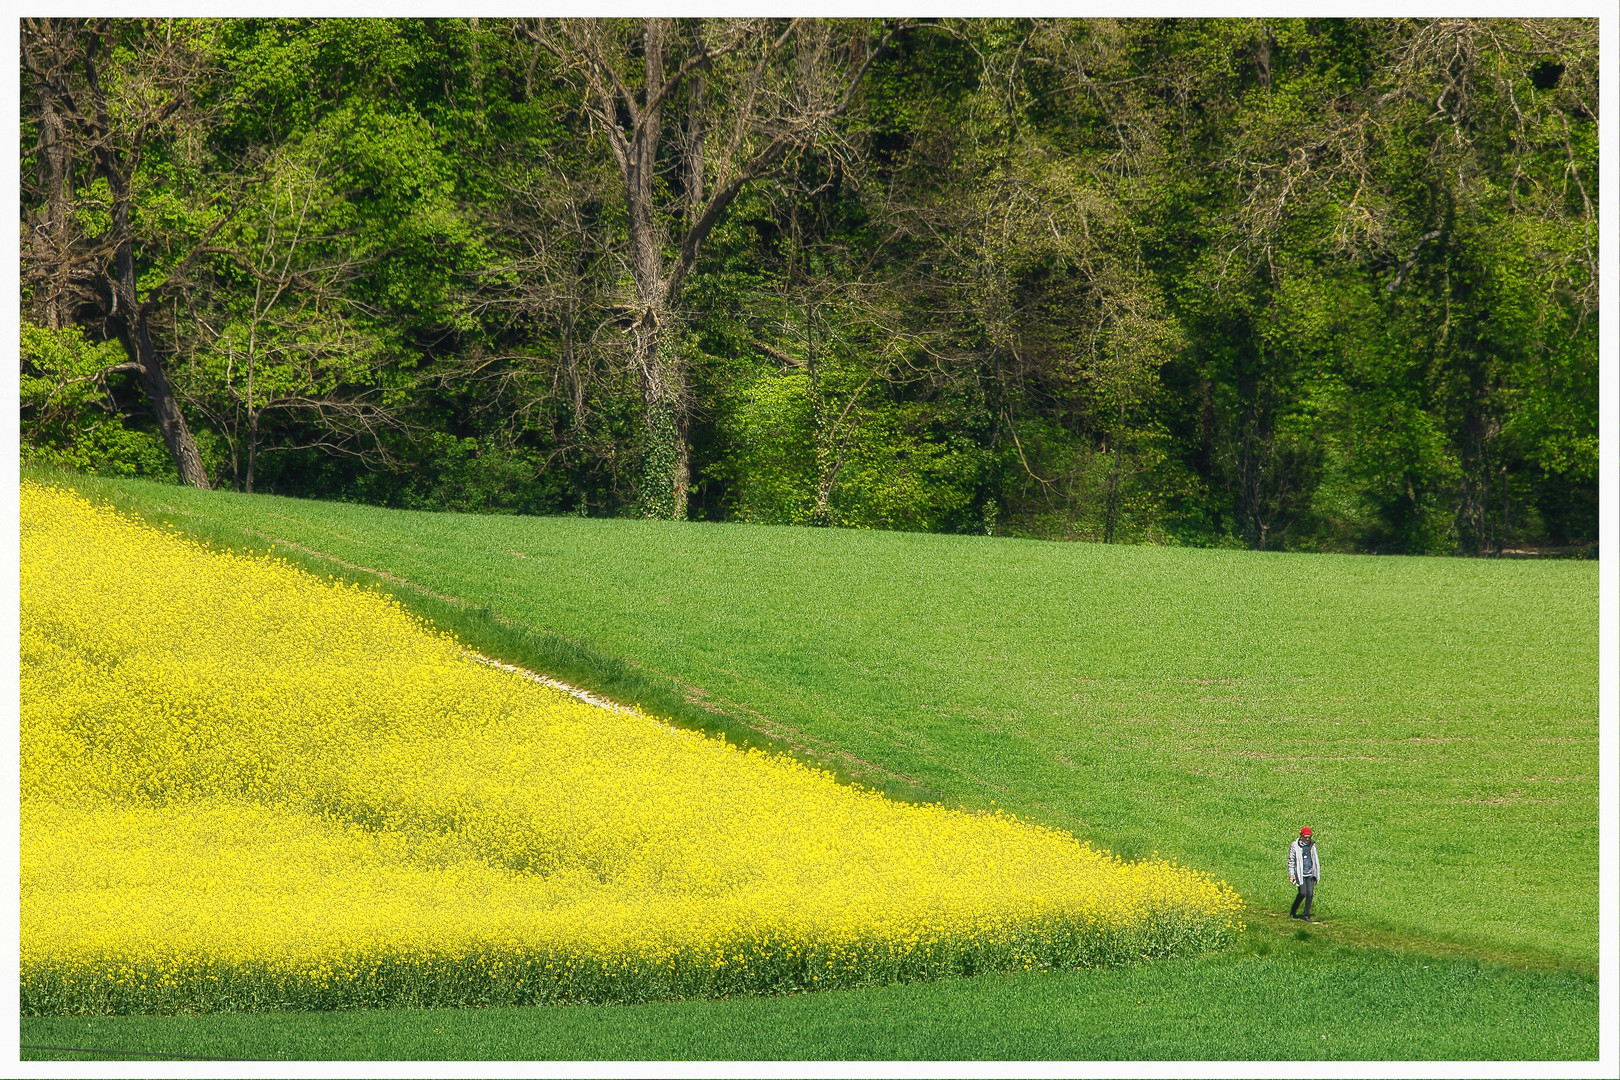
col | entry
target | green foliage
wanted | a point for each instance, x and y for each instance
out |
(108, 449)
(659, 456)
(522, 977)
(1311, 284)
(67, 421)
(1273, 999)
(893, 472)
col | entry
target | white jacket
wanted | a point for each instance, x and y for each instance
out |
(1295, 857)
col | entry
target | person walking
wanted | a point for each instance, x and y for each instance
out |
(1304, 870)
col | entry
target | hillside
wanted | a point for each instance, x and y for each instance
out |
(1434, 720)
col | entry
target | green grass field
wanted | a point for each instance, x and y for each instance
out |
(1270, 997)
(1435, 720)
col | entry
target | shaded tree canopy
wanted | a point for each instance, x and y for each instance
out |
(1304, 284)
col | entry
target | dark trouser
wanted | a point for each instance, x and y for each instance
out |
(1307, 892)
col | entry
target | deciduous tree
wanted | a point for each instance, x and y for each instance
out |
(108, 90)
(693, 112)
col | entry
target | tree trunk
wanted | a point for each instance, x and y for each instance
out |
(826, 469)
(52, 238)
(253, 447)
(576, 401)
(130, 317)
(760, 141)
(64, 49)
(1112, 509)
(665, 460)
(137, 340)
(665, 464)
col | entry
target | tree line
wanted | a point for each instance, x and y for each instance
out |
(1304, 284)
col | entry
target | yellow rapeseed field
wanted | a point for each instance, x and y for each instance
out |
(244, 787)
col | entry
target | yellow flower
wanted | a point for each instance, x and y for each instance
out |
(246, 787)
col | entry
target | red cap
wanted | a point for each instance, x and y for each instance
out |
(1306, 831)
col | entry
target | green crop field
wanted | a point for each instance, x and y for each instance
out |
(1300, 1000)
(1434, 720)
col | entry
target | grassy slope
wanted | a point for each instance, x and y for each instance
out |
(1434, 719)
(1238, 1005)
